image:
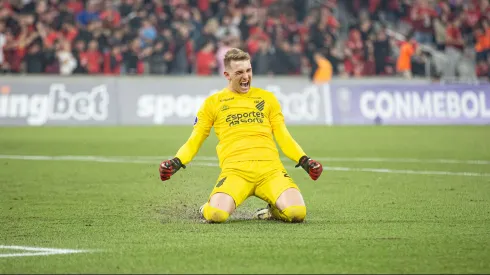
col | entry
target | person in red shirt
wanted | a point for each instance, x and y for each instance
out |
(354, 42)
(206, 60)
(110, 16)
(113, 61)
(70, 32)
(454, 37)
(49, 34)
(482, 69)
(421, 17)
(74, 6)
(93, 57)
(203, 5)
(329, 18)
(485, 8)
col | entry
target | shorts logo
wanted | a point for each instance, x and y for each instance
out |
(260, 105)
(221, 182)
(286, 175)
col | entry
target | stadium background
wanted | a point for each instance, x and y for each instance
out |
(450, 38)
(126, 78)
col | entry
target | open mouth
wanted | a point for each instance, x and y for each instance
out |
(245, 85)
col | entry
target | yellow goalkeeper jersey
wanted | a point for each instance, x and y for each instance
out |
(245, 125)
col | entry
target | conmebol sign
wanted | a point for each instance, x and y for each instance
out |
(411, 104)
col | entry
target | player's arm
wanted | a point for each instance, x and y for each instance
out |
(202, 127)
(288, 145)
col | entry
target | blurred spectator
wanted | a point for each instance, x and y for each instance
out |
(67, 61)
(160, 58)
(147, 34)
(78, 54)
(440, 32)
(382, 54)
(223, 47)
(482, 37)
(263, 58)
(206, 60)
(482, 69)
(422, 18)
(92, 57)
(34, 60)
(3, 41)
(323, 73)
(132, 58)
(404, 63)
(454, 46)
(113, 61)
(89, 14)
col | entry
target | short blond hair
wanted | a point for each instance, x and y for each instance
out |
(235, 55)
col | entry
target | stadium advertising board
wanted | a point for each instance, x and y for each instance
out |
(176, 100)
(410, 104)
(25, 101)
(38, 101)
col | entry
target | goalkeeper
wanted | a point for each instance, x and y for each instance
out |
(246, 119)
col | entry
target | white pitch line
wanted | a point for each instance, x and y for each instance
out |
(413, 172)
(37, 251)
(344, 159)
(215, 164)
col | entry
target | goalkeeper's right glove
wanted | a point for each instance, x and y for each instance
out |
(169, 167)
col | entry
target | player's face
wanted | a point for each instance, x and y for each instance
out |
(240, 75)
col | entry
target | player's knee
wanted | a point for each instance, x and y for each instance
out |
(296, 213)
(215, 215)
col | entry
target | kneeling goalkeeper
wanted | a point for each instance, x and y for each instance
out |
(246, 120)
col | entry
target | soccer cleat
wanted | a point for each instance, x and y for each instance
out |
(201, 211)
(263, 213)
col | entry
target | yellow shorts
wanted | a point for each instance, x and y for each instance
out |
(263, 179)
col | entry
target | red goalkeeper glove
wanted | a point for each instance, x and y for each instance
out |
(312, 167)
(169, 167)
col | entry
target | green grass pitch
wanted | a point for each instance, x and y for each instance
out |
(405, 211)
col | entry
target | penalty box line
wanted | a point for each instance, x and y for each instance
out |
(208, 162)
(37, 251)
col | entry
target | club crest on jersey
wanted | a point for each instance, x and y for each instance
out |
(260, 105)
(224, 107)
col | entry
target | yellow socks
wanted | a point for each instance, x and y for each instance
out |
(296, 213)
(213, 214)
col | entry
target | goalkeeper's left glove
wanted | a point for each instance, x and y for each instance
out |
(169, 167)
(312, 167)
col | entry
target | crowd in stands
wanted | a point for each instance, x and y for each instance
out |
(284, 37)
(454, 27)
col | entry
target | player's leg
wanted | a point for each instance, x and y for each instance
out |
(290, 206)
(219, 207)
(230, 191)
(284, 197)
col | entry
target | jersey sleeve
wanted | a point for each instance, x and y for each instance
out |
(286, 142)
(202, 126)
